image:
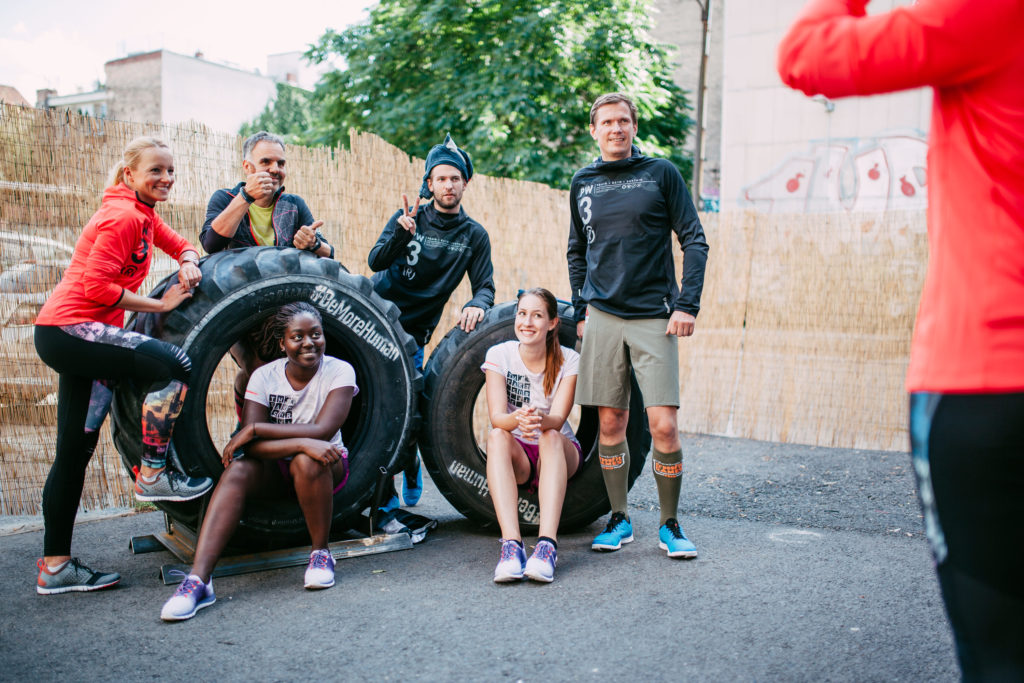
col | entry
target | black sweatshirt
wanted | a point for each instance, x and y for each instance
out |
(623, 214)
(419, 273)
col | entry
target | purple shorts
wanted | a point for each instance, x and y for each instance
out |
(283, 465)
(532, 451)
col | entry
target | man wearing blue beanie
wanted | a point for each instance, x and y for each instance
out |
(422, 255)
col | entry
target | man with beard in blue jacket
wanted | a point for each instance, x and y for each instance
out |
(422, 255)
(625, 208)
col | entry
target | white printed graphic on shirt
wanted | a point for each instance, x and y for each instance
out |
(523, 387)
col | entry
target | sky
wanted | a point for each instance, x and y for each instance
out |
(63, 45)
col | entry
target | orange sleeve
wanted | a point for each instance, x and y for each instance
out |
(170, 242)
(115, 239)
(833, 49)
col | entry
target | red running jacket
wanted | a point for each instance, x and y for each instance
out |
(112, 254)
(969, 334)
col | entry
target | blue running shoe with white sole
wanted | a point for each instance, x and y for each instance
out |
(617, 532)
(672, 540)
(192, 595)
(510, 566)
(541, 565)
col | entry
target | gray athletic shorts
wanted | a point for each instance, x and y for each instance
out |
(611, 345)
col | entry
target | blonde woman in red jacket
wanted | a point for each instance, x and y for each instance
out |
(79, 333)
(966, 377)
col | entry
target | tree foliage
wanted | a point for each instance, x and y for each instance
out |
(295, 115)
(512, 81)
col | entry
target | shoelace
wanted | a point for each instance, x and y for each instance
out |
(188, 585)
(617, 519)
(544, 551)
(508, 550)
(673, 528)
(319, 560)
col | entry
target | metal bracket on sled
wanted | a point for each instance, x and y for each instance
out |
(181, 542)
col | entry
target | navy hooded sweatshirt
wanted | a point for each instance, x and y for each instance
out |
(418, 273)
(623, 215)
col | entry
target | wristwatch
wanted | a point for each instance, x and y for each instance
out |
(246, 196)
(316, 244)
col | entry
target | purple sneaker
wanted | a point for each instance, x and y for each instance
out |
(192, 595)
(541, 565)
(320, 572)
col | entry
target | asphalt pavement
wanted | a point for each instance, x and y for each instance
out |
(812, 567)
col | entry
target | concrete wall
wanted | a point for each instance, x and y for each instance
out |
(220, 97)
(677, 23)
(133, 84)
(782, 151)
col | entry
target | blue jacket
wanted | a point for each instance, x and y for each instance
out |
(290, 214)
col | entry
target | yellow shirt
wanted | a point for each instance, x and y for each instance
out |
(262, 224)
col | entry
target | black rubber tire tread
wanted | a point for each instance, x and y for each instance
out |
(458, 466)
(240, 288)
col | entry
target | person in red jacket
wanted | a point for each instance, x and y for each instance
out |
(79, 333)
(966, 376)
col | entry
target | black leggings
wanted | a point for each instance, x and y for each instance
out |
(968, 455)
(90, 358)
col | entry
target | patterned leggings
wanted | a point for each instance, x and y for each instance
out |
(90, 358)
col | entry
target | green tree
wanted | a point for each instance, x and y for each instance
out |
(511, 80)
(294, 115)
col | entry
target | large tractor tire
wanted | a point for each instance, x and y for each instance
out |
(456, 462)
(239, 290)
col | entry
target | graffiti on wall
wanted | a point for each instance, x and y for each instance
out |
(881, 173)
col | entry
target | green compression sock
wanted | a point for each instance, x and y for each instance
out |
(668, 475)
(615, 470)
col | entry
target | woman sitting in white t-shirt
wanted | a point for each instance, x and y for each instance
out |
(531, 382)
(291, 438)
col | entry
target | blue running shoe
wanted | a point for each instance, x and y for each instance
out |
(192, 595)
(392, 504)
(413, 490)
(510, 566)
(672, 540)
(618, 531)
(541, 565)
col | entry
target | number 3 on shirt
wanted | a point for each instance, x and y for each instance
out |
(586, 215)
(414, 251)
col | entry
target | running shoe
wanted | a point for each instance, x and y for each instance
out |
(412, 491)
(73, 576)
(510, 566)
(392, 504)
(192, 595)
(672, 540)
(171, 485)
(320, 572)
(541, 565)
(617, 532)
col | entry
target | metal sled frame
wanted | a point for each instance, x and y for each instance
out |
(182, 544)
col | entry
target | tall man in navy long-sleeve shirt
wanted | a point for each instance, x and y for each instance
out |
(625, 207)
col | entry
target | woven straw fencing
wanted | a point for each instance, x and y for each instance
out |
(803, 336)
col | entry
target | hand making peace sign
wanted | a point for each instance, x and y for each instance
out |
(408, 218)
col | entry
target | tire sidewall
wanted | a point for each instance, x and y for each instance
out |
(360, 328)
(458, 466)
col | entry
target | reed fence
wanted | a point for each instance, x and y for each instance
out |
(803, 334)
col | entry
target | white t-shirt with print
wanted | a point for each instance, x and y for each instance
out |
(523, 387)
(270, 387)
